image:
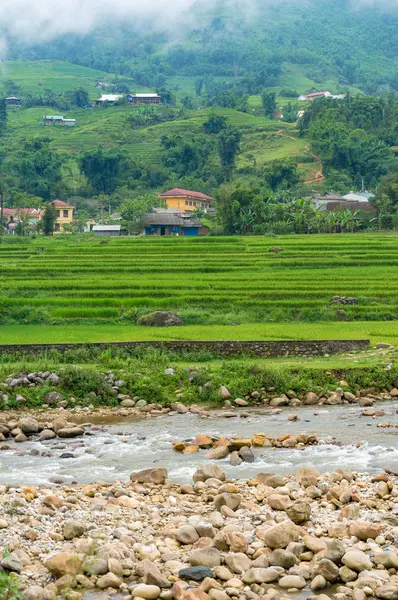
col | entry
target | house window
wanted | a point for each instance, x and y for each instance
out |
(66, 213)
(57, 226)
(57, 213)
(186, 202)
(190, 204)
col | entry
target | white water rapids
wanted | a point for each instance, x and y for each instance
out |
(111, 452)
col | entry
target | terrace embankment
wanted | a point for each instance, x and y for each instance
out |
(304, 348)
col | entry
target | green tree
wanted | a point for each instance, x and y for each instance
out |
(215, 123)
(268, 100)
(48, 220)
(228, 148)
(3, 114)
(102, 169)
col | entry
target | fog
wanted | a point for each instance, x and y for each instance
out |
(39, 20)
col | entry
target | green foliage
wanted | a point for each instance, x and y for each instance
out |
(82, 382)
(215, 123)
(3, 114)
(228, 148)
(10, 587)
(268, 100)
(102, 169)
(48, 219)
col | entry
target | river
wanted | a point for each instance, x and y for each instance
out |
(113, 450)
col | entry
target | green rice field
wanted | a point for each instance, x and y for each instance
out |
(81, 288)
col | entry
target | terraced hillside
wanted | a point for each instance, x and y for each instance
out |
(211, 280)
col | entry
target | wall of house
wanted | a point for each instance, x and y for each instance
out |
(61, 220)
(222, 348)
(179, 202)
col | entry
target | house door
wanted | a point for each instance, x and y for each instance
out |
(163, 230)
(191, 231)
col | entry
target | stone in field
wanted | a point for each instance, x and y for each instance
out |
(160, 318)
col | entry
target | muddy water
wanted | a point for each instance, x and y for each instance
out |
(112, 451)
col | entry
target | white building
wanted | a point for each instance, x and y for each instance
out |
(106, 230)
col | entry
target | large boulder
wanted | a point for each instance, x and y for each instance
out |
(205, 557)
(157, 476)
(160, 318)
(64, 563)
(28, 425)
(209, 471)
(70, 432)
(280, 536)
(357, 560)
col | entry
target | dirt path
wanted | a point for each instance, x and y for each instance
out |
(319, 176)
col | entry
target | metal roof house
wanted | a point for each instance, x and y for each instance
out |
(173, 222)
(110, 98)
(144, 98)
(106, 230)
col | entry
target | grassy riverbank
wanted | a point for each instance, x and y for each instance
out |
(163, 377)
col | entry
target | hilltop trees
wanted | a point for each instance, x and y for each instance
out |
(228, 148)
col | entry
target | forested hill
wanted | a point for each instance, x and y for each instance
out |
(355, 44)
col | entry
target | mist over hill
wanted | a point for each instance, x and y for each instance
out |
(355, 41)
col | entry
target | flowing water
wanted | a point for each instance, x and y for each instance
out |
(112, 450)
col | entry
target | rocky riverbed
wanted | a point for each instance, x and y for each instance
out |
(211, 539)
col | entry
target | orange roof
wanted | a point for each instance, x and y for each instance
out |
(189, 193)
(61, 203)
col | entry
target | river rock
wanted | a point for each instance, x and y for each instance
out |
(195, 573)
(299, 512)
(224, 393)
(232, 501)
(64, 563)
(70, 432)
(11, 563)
(28, 425)
(318, 583)
(151, 574)
(217, 453)
(292, 581)
(234, 459)
(357, 560)
(209, 471)
(279, 536)
(205, 557)
(282, 558)
(237, 542)
(186, 534)
(327, 569)
(73, 529)
(311, 398)
(347, 574)
(246, 454)
(110, 580)
(95, 566)
(47, 434)
(364, 531)
(389, 591)
(148, 592)
(314, 544)
(238, 562)
(59, 423)
(279, 501)
(389, 559)
(156, 476)
(259, 575)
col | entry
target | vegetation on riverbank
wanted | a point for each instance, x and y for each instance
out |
(163, 377)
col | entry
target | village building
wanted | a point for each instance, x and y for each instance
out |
(186, 200)
(106, 230)
(58, 120)
(144, 99)
(316, 95)
(166, 222)
(352, 201)
(13, 101)
(63, 215)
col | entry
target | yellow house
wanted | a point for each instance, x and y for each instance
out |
(186, 200)
(63, 215)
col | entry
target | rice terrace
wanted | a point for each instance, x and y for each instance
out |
(79, 289)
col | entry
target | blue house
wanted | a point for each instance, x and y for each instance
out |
(172, 222)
